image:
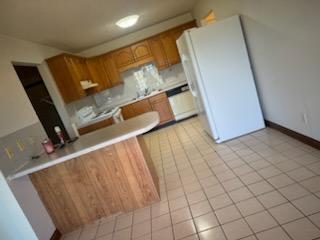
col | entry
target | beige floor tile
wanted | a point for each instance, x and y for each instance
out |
(180, 202)
(212, 234)
(206, 221)
(236, 230)
(166, 233)
(232, 184)
(214, 191)
(271, 199)
(220, 201)
(261, 221)
(260, 188)
(285, 213)
(250, 206)
(192, 237)
(240, 194)
(287, 166)
(105, 228)
(250, 178)
(293, 191)
(301, 174)
(88, 233)
(312, 184)
(200, 208)
(302, 229)
(269, 172)
(273, 234)
(141, 215)
(124, 222)
(315, 218)
(308, 204)
(279, 181)
(181, 215)
(159, 209)
(228, 214)
(141, 229)
(124, 234)
(161, 222)
(184, 229)
(240, 171)
(145, 237)
(196, 197)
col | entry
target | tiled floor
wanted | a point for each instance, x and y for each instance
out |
(263, 186)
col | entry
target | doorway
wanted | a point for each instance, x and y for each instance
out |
(41, 101)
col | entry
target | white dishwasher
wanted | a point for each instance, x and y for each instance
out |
(182, 102)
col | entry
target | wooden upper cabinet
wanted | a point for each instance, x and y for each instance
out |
(123, 57)
(158, 52)
(68, 71)
(111, 69)
(98, 73)
(170, 47)
(160, 104)
(141, 51)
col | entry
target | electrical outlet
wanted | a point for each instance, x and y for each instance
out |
(9, 152)
(20, 145)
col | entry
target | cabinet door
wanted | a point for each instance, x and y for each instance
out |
(98, 73)
(96, 126)
(160, 104)
(170, 47)
(123, 57)
(141, 51)
(140, 107)
(62, 71)
(111, 69)
(127, 112)
(158, 52)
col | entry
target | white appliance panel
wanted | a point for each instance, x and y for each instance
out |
(217, 65)
(182, 105)
(191, 71)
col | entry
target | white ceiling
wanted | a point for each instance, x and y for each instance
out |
(75, 25)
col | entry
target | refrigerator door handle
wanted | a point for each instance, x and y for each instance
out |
(185, 60)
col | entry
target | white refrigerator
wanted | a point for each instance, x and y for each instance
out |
(218, 71)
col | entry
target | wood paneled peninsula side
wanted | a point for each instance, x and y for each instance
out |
(103, 173)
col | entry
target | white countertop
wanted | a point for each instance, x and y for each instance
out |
(125, 102)
(91, 142)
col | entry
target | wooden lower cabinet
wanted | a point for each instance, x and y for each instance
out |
(96, 126)
(158, 103)
(117, 178)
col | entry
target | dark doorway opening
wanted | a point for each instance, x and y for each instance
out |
(41, 100)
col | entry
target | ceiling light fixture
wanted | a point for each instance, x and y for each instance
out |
(128, 21)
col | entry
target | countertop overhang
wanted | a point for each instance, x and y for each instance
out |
(91, 142)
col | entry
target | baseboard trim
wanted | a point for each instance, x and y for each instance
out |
(300, 137)
(56, 235)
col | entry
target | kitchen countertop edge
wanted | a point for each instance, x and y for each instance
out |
(25, 170)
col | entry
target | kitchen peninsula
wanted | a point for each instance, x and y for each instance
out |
(103, 173)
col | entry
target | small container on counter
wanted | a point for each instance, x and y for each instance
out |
(48, 146)
(58, 131)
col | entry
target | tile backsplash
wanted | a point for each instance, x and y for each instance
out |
(21, 145)
(127, 91)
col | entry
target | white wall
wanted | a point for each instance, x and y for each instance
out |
(283, 39)
(17, 113)
(137, 36)
(13, 223)
(15, 107)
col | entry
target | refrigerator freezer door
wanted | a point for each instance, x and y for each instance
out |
(226, 81)
(192, 74)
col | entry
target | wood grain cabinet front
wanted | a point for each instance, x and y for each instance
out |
(158, 52)
(141, 51)
(111, 69)
(68, 71)
(123, 58)
(160, 104)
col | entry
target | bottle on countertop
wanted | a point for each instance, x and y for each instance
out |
(58, 131)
